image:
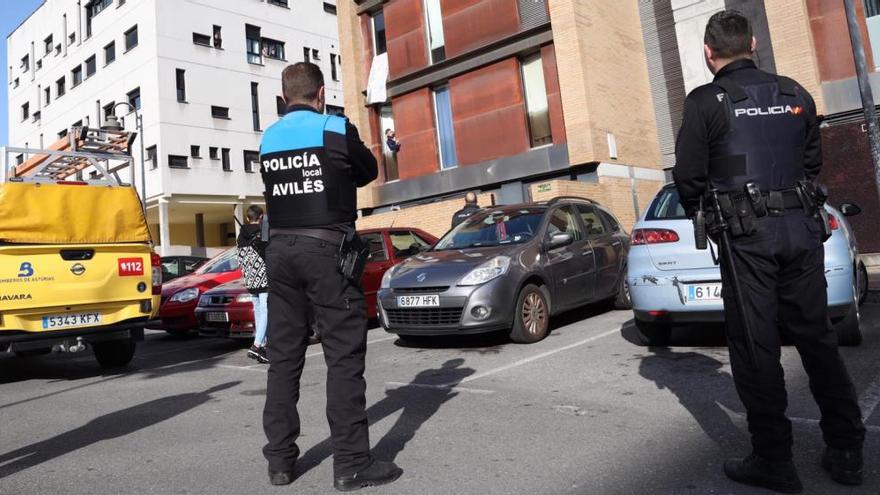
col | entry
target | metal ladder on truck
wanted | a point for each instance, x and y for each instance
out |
(105, 151)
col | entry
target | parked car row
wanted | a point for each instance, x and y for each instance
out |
(214, 300)
(512, 267)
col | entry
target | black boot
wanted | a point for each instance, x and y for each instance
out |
(845, 466)
(378, 473)
(756, 471)
(279, 478)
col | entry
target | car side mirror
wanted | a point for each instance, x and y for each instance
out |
(850, 209)
(559, 240)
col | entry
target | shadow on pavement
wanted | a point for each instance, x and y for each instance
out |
(691, 335)
(113, 425)
(416, 403)
(700, 385)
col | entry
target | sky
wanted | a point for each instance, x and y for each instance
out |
(12, 13)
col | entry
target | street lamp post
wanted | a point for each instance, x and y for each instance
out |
(112, 123)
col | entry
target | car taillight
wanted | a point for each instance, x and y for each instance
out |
(156, 270)
(833, 222)
(653, 236)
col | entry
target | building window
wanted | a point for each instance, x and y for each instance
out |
(315, 54)
(251, 161)
(47, 96)
(19, 159)
(333, 73)
(76, 76)
(280, 106)
(62, 133)
(252, 34)
(134, 98)
(212, 153)
(872, 8)
(92, 9)
(201, 39)
(152, 156)
(255, 105)
(131, 38)
(218, 39)
(280, 3)
(15, 83)
(445, 131)
(37, 115)
(71, 39)
(110, 53)
(273, 49)
(59, 88)
(25, 111)
(47, 45)
(90, 66)
(178, 161)
(390, 146)
(226, 165)
(329, 8)
(194, 151)
(58, 49)
(379, 44)
(39, 65)
(219, 112)
(536, 100)
(307, 53)
(25, 63)
(109, 109)
(436, 42)
(180, 80)
(334, 110)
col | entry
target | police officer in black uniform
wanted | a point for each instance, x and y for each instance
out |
(311, 165)
(753, 131)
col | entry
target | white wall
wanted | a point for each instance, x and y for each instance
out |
(691, 17)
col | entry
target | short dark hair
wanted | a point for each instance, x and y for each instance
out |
(254, 213)
(301, 81)
(729, 34)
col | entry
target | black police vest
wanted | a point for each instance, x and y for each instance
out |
(308, 182)
(766, 137)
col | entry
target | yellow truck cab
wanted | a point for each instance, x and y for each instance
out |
(77, 267)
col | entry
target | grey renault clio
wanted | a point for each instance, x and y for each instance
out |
(509, 268)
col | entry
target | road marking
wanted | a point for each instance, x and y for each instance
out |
(870, 398)
(533, 358)
(803, 421)
(246, 368)
(442, 386)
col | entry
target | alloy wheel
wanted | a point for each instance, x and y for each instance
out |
(534, 314)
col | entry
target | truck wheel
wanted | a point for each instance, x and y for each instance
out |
(623, 299)
(114, 354)
(849, 333)
(654, 334)
(532, 318)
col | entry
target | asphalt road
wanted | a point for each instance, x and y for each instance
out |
(586, 411)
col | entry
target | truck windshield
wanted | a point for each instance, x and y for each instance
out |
(494, 228)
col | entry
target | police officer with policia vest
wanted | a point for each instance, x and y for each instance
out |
(749, 145)
(311, 165)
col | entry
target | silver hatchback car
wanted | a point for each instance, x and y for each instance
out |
(670, 281)
(509, 267)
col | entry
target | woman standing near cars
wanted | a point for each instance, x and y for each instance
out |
(251, 251)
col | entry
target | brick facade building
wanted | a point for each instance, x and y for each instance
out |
(513, 99)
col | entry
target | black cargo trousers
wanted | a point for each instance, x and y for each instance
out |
(782, 272)
(303, 271)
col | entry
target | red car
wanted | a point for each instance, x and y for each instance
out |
(226, 311)
(181, 296)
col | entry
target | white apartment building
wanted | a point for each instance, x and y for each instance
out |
(205, 76)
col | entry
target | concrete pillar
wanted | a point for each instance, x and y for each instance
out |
(164, 228)
(238, 212)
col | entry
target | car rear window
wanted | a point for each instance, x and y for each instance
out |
(666, 206)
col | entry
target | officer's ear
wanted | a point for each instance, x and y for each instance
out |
(754, 45)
